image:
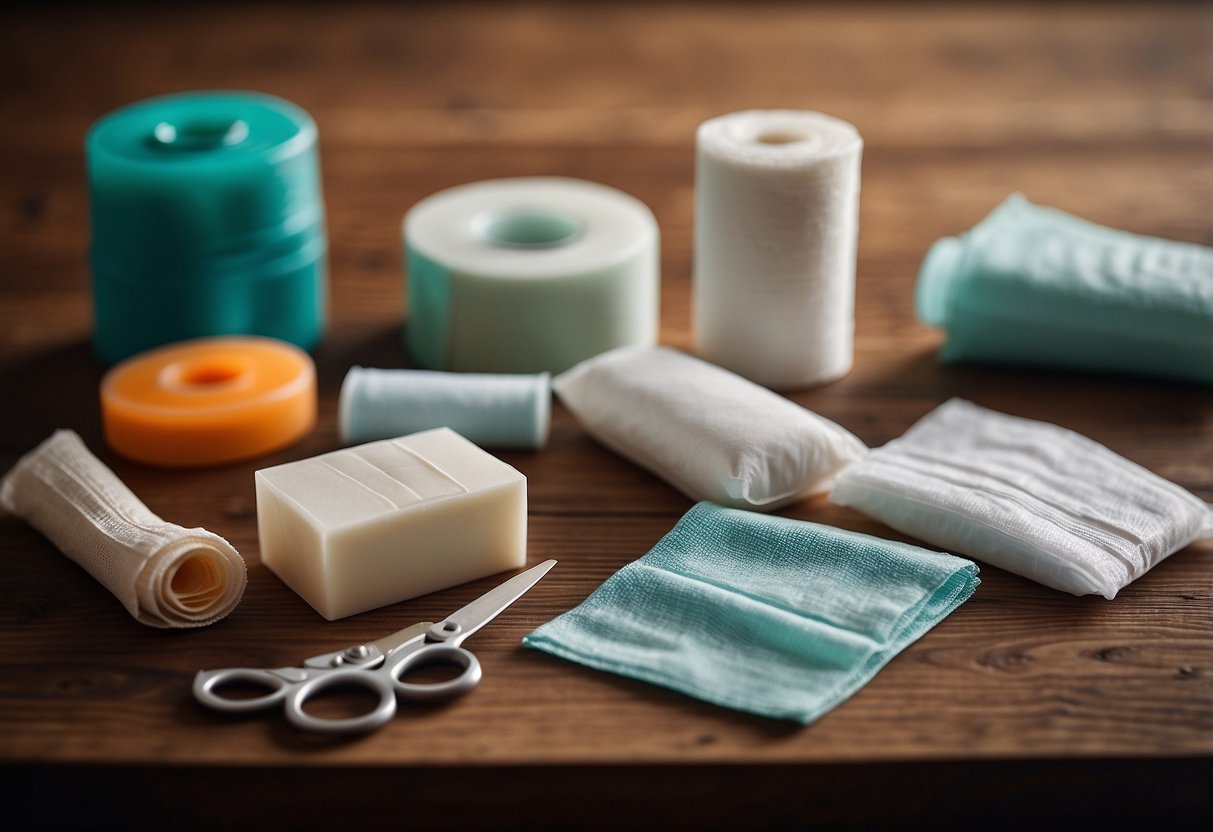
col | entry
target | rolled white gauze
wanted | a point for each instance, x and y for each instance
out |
(710, 433)
(776, 222)
(165, 575)
(493, 411)
(528, 275)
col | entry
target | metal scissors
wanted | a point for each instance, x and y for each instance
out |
(377, 666)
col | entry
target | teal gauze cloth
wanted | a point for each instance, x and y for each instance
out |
(769, 615)
(1034, 285)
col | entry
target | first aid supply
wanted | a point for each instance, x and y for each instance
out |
(768, 615)
(383, 522)
(381, 668)
(209, 401)
(492, 410)
(776, 228)
(711, 434)
(165, 575)
(207, 219)
(1026, 496)
(1034, 285)
(529, 275)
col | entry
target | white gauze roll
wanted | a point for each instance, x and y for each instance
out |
(776, 222)
(529, 275)
(165, 575)
(494, 411)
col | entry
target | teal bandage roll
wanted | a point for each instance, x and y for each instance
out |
(528, 275)
(1035, 285)
(764, 614)
(207, 219)
(494, 411)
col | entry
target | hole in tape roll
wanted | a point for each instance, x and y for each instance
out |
(204, 374)
(529, 229)
(780, 137)
(199, 134)
(211, 373)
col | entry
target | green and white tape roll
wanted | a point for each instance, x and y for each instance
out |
(529, 275)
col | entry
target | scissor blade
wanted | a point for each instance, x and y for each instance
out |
(488, 606)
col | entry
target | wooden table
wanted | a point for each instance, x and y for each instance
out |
(1024, 705)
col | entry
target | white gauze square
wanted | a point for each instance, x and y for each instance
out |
(710, 433)
(1026, 496)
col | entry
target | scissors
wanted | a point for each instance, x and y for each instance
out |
(377, 666)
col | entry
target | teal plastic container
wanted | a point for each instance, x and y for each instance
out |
(1034, 285)
(207, 219)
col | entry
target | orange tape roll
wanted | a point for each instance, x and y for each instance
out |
(209, 401)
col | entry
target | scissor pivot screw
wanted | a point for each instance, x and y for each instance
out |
(444, 630)
(356, 653)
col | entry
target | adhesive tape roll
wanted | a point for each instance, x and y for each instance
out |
(207, 220)
(776, 222)
(529, 275)
(209, 401)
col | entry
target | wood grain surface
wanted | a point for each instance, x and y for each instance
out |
(1024, 696)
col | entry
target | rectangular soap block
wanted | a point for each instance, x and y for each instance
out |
(387, 521)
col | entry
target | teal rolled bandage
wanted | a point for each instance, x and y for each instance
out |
(768, 615)
(207, 219)
(1033, 285)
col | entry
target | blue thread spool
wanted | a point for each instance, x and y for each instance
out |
(207, 219)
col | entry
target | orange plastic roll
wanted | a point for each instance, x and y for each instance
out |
(209, 401)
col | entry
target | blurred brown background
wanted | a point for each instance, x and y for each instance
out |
(1024, 706)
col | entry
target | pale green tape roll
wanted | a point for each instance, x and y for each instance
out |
(529, 275)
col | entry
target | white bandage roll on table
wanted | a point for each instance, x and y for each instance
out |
(165, 575)
(776, 222)
(492, 410)
(529, 275)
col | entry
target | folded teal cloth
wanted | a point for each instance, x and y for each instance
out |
(773, 616)
(1033, 285)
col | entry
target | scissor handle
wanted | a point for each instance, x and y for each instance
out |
(433, 654)
(352, 677)
(208, 682)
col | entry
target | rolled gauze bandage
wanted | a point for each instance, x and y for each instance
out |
(494, 411)
(776, 220)
(528, 275)
(165, 575)
(1035, 285)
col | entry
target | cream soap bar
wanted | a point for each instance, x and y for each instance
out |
(379, 523)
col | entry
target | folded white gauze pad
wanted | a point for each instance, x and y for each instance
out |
(1029, 497)
(776, 225)
(164, 575)
(708, 432)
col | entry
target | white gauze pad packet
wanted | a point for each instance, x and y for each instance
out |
(710, 433)
(1026, 496)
